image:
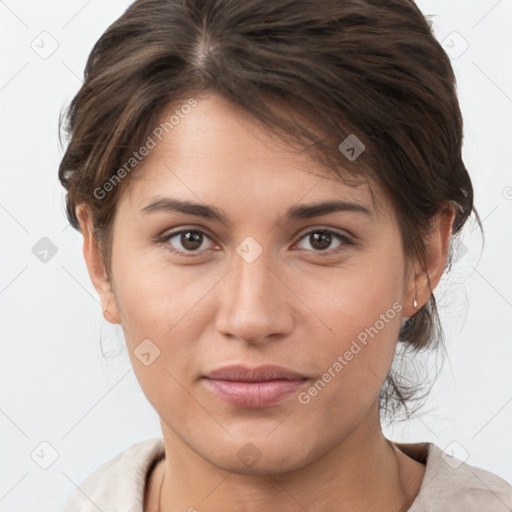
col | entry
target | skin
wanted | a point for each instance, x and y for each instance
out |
(292, 306)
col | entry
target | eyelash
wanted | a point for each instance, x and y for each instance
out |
(344, 238)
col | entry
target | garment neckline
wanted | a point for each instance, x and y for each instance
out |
(416, 451)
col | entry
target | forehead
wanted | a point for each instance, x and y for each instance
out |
(216, 151)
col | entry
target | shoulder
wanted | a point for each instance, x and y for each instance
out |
(449, 484)
(118, 484)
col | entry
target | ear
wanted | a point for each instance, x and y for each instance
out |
(95, 265)
(424, 279)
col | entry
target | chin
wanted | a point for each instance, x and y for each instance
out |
(259, 456)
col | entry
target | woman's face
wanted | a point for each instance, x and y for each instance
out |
(264, 277)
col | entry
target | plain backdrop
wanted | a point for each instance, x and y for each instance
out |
(66, 408)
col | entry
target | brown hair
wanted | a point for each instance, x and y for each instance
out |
(369, 68)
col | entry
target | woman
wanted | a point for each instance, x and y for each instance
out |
(268, 194)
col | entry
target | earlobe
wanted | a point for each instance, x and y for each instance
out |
(437, 244)
(415, 295)
(109, 315)
(95, 265)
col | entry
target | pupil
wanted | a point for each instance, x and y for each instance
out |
(192, 240)
(323, 238)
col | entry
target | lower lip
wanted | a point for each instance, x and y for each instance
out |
(255, 395)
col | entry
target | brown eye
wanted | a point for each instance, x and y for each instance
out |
(320, 240)
(185, 241)
(191, 240)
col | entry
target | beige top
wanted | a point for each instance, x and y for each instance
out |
(449, 485)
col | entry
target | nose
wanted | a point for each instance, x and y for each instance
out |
(255, 303)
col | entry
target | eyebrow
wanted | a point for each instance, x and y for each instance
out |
(303, 211)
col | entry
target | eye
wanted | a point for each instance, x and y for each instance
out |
(188, 241)
(321, 239)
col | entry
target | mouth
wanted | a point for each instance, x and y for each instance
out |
(258, 388)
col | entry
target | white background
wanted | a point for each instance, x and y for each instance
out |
(57, 387)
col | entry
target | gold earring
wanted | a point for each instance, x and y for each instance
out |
(106, 307)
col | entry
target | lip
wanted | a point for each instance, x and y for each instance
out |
(264, 373)
(260, 387)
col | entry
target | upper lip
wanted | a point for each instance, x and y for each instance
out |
(242, 373)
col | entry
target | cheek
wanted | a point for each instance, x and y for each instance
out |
(362, 308)
(351, 299)
(354, 366)
(160, 317)
(154, 296)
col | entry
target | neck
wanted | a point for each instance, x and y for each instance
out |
(361, 471)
